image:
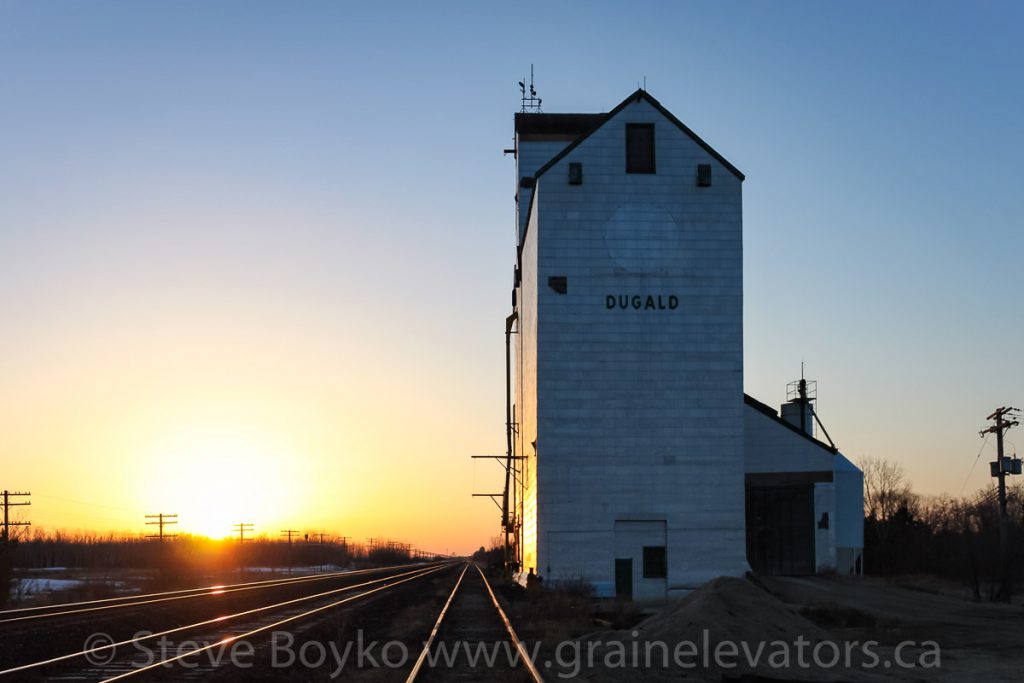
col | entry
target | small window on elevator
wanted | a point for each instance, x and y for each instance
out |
(639, 148)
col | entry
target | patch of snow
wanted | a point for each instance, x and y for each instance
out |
(314, 569)
(31, 586)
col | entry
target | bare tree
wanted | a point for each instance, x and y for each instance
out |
(886, 488)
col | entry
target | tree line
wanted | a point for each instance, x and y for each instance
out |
(953, 537)
(185, 559)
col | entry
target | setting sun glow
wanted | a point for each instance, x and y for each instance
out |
(221, 477)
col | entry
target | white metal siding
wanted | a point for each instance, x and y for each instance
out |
(640, 412)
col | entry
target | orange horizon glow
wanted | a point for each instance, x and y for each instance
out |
(282, 439)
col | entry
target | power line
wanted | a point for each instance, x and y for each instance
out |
(976, 458)
(89, 503)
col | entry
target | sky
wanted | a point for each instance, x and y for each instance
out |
(255, 257)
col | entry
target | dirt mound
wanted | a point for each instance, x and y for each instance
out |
(730, 609)
(728, 629)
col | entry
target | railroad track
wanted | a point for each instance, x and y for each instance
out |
(196, 649)
(69, 609)
(117, 658)
(467, 640)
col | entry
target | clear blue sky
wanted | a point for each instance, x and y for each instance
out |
(325, 180)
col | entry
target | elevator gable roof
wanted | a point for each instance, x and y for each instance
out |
(596, 121)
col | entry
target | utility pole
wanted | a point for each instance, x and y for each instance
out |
(7, 517)
(506, 525)
(320, 553)
(289, 533)
(241, 528)
(347, 553)
(1004, 418)
(162, 520)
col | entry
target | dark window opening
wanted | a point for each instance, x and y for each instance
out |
(559, 283)
(639, 148)
(655, 562)
(703, 175)
(575, 173)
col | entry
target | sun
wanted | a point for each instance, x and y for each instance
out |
(215, 478)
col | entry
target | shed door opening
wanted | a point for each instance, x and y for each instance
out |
(780, 529)
(624, 578)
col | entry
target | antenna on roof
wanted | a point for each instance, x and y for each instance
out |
(531, 103)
